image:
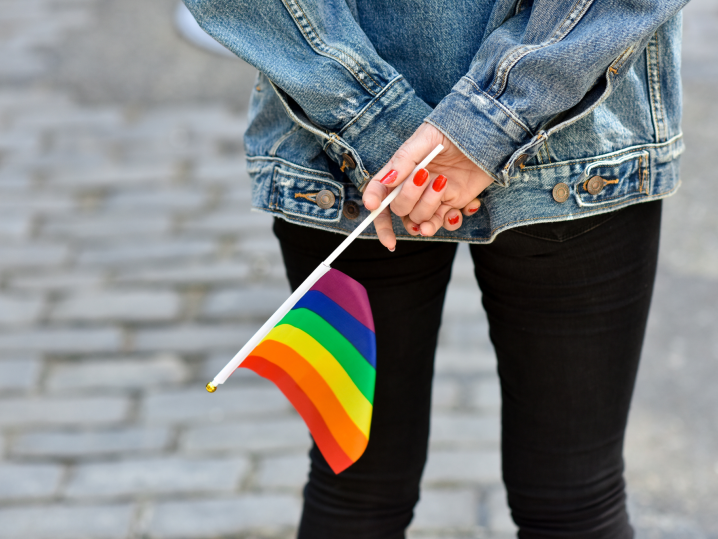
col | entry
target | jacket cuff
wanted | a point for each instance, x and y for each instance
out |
(488, 133)
(366, 143)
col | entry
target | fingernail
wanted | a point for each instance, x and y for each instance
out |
(392, 250)
(415, 228)
(421, 177)
(390, 177)
(453, 220)
(439, 183)
(473, 210)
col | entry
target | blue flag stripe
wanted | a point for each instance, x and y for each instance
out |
(361, 337)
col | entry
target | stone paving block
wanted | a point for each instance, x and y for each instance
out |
(467, 360)
(446, 509)
(42, 201)
(221, 170)
(260, 245)
(156, 476)
(467, 332)
(54, 280)
(28, 481)
(156, 200)
(125, 305)
(26, 412)
(230, 221)
(61, 340)
(118, 373)
(232, 271)
(194, 337)
(283, 472)
(19, 309)
(499, 516)
(110, 176)
(485, 394)
(464, 428)
(106, 226)
(193, 405)
(445, 393)
(463, 300)
(90, 443)
(255, 302)
(224, 517)
(15, 226)
(32, 255)
(259, 435)
(145, 252)
(66, 522)
(464, 466)
(19, 373)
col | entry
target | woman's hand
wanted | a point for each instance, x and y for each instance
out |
(434, 197)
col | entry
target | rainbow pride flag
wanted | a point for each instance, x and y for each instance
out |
(322, 356)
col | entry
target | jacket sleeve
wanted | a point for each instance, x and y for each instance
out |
(326, 72)
(541, 67)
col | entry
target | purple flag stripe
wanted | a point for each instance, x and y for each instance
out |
(348, 294)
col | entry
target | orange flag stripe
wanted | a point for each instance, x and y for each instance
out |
(333, 454)
(345, 431)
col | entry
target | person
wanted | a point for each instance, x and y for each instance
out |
(561, 126)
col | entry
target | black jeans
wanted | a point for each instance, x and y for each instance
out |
(567, 305)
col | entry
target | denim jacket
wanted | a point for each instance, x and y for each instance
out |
(572, 106)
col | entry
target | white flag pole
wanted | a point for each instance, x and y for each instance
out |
(317, 274)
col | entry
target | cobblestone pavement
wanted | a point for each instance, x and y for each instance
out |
(131, 270)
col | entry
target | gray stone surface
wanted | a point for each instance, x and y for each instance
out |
(212, 518)
(131, 270)
(28, 481)
(117, 373)
(19, 373)
(155, 476)
(87, 443)
(66, 522)
(124, 305)
(32, 411)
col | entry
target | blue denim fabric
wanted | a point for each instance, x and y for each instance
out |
(535, 93)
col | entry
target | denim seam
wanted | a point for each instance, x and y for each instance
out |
(646, 147)
(322, 48)
(376, 99)
(468, 239)
(654, 87)
(275, 147)
(292, 165)
(500, 106)
(512, 58)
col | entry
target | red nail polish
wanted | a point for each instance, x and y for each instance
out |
(473, 210)
(421, 177)
(439, 183)
(415, 228)
(390, 177)
(453, 220)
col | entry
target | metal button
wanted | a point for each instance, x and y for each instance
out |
(347, 162)
(595, 185)
(561, 192)
(520, 160)
(351, 210)
(325, 199)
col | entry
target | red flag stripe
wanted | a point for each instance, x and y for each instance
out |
(334, 455)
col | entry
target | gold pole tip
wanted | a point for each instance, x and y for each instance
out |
(211, 387)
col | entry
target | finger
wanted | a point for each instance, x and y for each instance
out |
(452, 219)
(471, 208)
(411, 227)
(430, 227)
(430, 200)
(378, 189)
(385, 230)
(411, 193)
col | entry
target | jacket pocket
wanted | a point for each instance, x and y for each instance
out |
(314, 196)
(609, 180)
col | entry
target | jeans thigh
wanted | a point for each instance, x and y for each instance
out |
(375, 496)
(567, 314)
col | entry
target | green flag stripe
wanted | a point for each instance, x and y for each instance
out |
(359, 370)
